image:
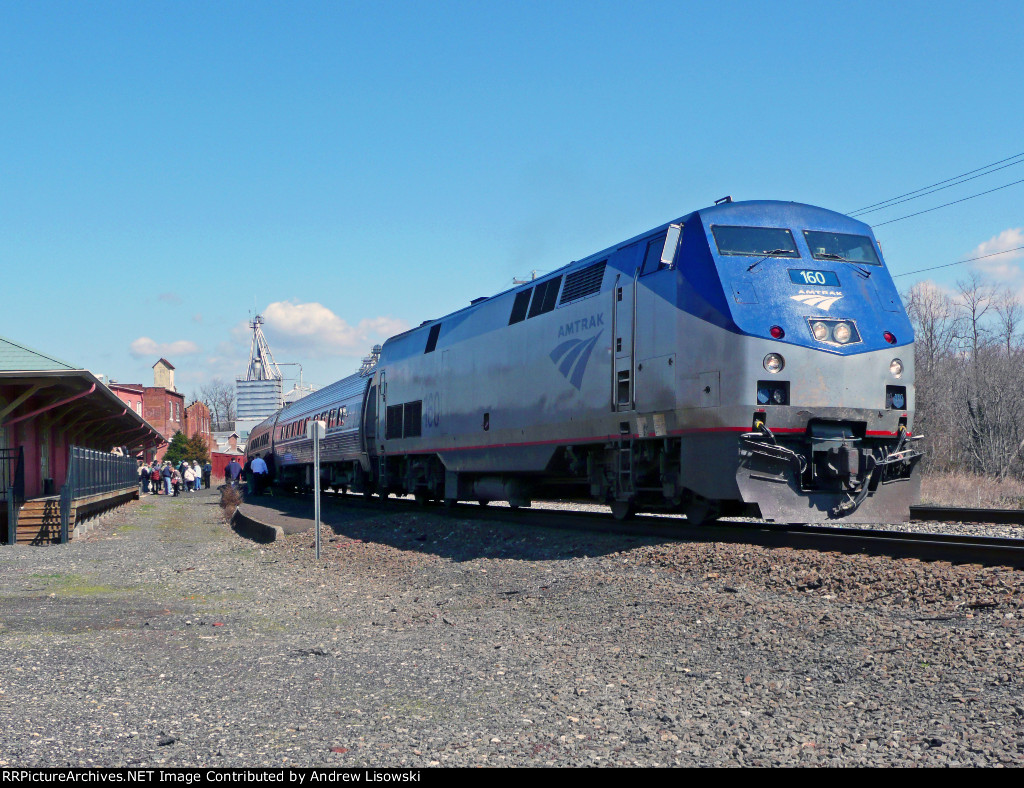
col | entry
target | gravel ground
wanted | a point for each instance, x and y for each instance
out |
(163, 638)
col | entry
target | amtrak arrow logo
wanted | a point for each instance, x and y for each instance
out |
(816, 299)
(572, 357)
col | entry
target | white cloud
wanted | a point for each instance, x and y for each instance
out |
(315, 331)
(1002, 267)
(144, 346)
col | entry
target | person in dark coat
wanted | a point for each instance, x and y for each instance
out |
(250, 478)
(232, 472)
(207, 471)
(271, 471)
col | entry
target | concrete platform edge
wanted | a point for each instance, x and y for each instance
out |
(251, 528)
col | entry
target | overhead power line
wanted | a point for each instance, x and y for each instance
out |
(963, 175)
(958, 262)
(896, 201)
(945, 205)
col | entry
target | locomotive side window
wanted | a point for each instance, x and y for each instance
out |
(435, 331)
(551, 296)
(520, 306)
(546, 297)
(754, 241)
(413, 419)
(840, 246)
(393, 428)
(536, 306)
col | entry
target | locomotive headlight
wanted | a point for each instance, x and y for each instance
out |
(779, 397)
(896, 367)
(774, 362)
(820, 331)
(841, 333)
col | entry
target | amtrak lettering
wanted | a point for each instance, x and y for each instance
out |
(583, 324)
(822, 299)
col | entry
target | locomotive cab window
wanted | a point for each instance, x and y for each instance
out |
(754, 241)
(841, 246)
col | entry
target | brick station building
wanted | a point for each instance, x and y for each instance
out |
(67, 446)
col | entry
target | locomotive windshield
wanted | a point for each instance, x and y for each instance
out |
(755, 241)
(840, 246)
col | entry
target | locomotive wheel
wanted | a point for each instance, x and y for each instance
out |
(623, 510)
(422, 497)
(484, 502)
(449, 503)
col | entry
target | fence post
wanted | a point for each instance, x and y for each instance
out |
(12, 517)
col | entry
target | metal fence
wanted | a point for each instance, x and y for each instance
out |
(93, 472)
(12, 487)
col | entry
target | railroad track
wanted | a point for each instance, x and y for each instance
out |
(956, 514)
(953, 548)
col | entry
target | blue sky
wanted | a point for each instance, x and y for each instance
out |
(353, 168)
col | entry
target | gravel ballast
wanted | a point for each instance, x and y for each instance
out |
(164, 638)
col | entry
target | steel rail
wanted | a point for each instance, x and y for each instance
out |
(951, 548)
(956, 514)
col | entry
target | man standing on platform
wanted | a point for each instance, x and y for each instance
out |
(259, 472)
(232, 472)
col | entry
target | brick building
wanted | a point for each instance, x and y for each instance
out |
(162, 406)
(129, 393)
(197, 421)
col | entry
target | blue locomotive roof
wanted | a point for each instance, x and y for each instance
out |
(745, 294)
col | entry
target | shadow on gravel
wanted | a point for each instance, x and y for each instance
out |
(434, 530)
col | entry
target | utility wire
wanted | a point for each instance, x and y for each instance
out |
(959, 262)
(945, 205)
(939, 183)
(897, 201)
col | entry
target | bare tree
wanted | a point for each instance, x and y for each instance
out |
(220, 399)
(936, 327)
(969, 376)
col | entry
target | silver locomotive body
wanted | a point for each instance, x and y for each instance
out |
(675, 371)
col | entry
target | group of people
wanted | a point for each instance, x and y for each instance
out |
(153, 477)
(258, 473)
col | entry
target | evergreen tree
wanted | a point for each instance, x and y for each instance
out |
(196, 449)
(178, 449)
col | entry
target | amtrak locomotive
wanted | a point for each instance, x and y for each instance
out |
(750, 358)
